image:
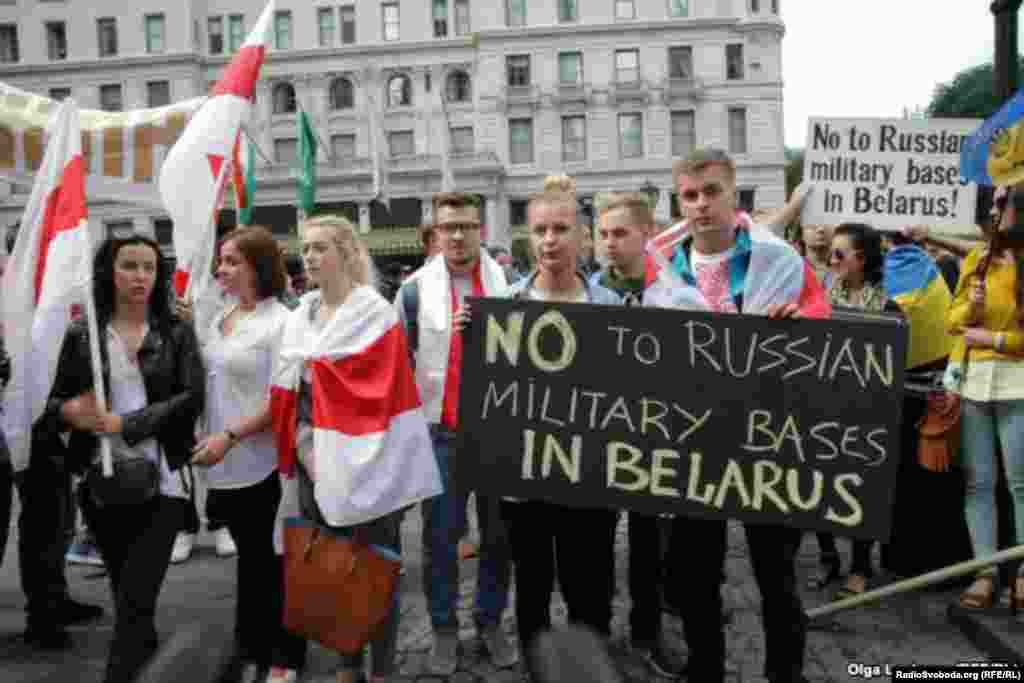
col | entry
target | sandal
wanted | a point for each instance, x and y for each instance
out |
(855, 585)
(979, 599)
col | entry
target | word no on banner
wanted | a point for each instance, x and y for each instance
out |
(889, 173)
(795, 422)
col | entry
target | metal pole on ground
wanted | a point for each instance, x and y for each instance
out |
(917, 582)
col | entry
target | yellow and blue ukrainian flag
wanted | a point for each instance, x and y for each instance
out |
(994, 154)
(911, 279)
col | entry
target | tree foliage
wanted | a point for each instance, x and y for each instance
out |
(970, 94)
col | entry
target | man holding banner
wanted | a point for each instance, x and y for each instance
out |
(722, 267)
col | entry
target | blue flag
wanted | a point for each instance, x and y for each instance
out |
(994, 154)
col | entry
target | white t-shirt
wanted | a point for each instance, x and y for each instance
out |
(128, 394)
(238, 374)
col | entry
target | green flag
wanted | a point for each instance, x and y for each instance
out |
(307, 164)
(249, 183)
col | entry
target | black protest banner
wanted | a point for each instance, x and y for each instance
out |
(725, 416)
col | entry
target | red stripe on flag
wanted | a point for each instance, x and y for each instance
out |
(65, 210)
(283, 413)
(241, 199)
(240, 76)
(813, 300)
(360, 394)
(180, 282)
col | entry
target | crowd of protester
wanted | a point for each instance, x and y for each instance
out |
(199, 393)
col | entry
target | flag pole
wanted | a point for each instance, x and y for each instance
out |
(99, 386)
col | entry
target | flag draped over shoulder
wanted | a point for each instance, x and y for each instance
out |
(307, 164)
(763, 271)
(911, 279)
(49, 269)
(243, 180)
(371, 449)
(994, 154)
(193, 177)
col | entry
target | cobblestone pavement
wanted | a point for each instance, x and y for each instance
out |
(900, 630)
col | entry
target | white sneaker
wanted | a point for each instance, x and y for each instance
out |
(225, 544)
(182, 547)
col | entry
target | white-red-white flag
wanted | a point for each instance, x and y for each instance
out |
(371, 447)
(50, 268)
(193, 176)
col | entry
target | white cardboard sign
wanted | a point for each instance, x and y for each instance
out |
(889, 173)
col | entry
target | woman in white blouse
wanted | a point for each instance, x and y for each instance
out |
(238, 451)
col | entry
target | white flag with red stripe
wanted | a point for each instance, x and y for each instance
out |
(372, 453)
(193, 176)
(50, 268)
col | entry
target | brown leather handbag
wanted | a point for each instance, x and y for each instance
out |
(939, 432)
(338, 589)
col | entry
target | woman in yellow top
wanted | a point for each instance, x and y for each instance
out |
(987, 370)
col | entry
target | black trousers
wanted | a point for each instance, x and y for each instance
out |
(645, 576)
(579, 545)
(697, 561)
(249, 514)
(44, 527)
(136, 546)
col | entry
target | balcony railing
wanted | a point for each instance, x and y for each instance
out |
(572, 93)
(630, 90)
(685, 88)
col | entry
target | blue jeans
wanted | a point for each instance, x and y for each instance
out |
(444, 522)
(981, 424)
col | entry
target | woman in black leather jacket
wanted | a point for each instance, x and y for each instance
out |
(155, 384)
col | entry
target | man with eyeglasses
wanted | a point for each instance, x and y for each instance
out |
(724, 267)
(430, 305)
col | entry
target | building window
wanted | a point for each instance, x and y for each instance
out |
(684, 133)
(631, 136)
(440, 14)
(348, 24)
(215, 31)
(9, 43)
(738, 130)
(734, 62)
(284, 98)
(343, 95)
(520, 141)
(567, 10)
(286, 150)
(517, 211)
(60, 93)
(389, 14)
(120, 229)
(343, 146)
(158, 94)
(462, 140)
(110, 97)
(515, 12)
(755, 6)
(678, 8)
(570, 68)
(680, 63)
(518, 68)
(56, 40)
(462, 25)
(325, 26)
(775, 6)
(400, 91)
(155, 33)
(163, 229)
(401, 143)
(625, 9)
(107, 30)
(574, 138)
(745, 199)
(627, 66)
(236, 31)
(283, 30)
(459, 87)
